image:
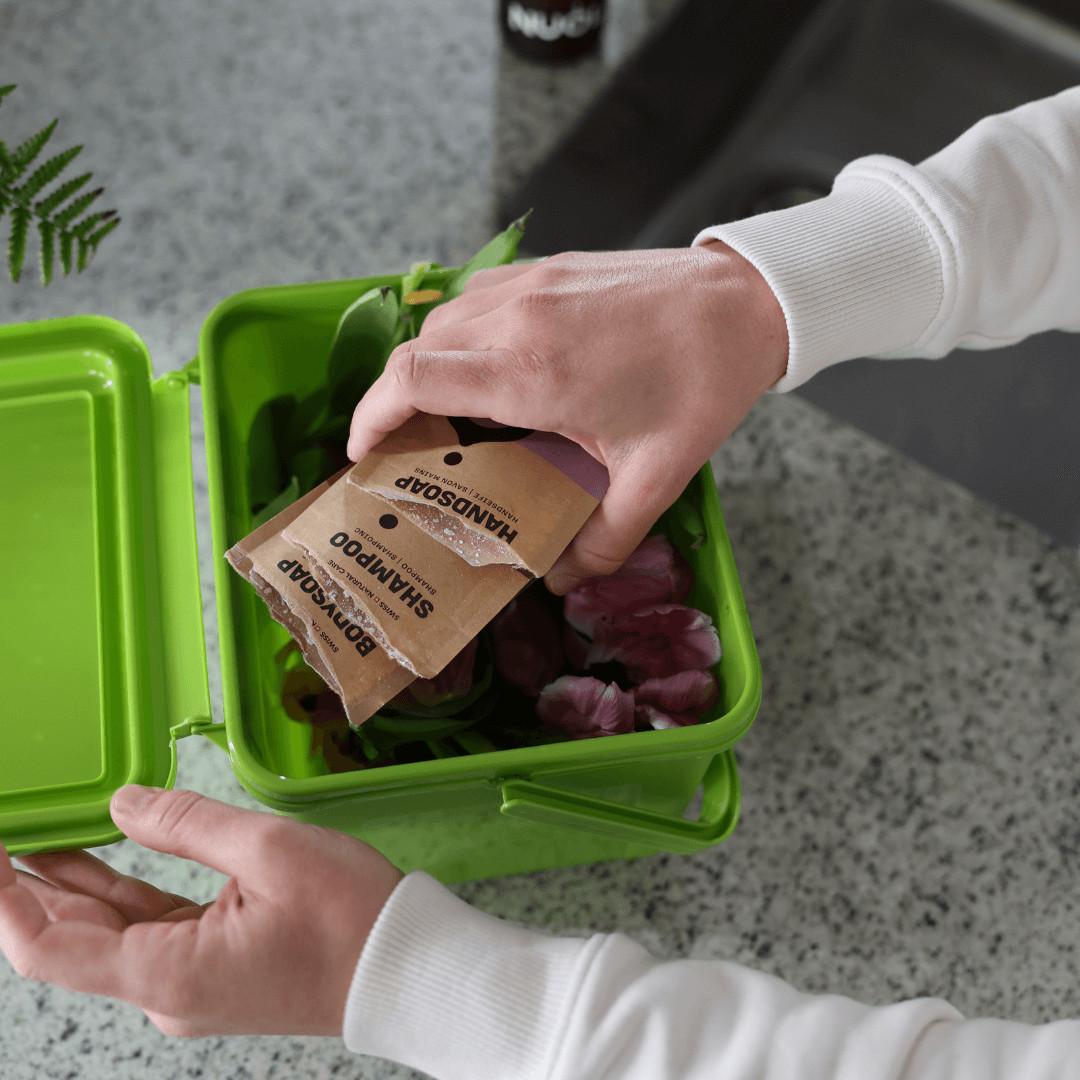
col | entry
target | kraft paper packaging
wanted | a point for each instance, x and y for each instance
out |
(388, 570)
(344, 652)
(492, 494)
(364, 674)
(385, 572)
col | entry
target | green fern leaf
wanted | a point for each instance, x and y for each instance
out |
(48, 172)
(46, 234)
(75, 208)
(98, 235)
(68, 231)
(24, 154)
(20, 224)
(81, 229)
(58, 195)
(66, 240)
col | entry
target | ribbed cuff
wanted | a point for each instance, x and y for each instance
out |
(457, 993)
(857, 273)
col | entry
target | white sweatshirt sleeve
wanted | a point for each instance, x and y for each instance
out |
(464, 996)
(978, 246)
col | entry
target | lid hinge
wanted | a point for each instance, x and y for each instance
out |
(200, 725)
(190, 372)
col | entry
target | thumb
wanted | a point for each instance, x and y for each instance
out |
(194, 827)
(635, 499)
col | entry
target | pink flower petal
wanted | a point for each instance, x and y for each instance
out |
(658, 641)
(675, 700)
(584, 707)
(647, 716)
(654, 574)
(688, 691)
(526, 638)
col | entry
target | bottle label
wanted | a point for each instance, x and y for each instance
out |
(542, 25)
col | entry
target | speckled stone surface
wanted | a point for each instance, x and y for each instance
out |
(910, 818)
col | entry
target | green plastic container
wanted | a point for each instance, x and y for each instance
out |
(102, 639)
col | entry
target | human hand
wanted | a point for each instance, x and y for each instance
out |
(273, 954)
(647, 359)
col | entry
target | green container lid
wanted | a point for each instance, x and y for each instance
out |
(101, 624)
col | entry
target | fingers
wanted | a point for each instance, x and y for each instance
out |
(135, 900)
(149, 964)
(454, 382)
(384, 408)
(473, 303)
(634, 500)
(466, 307)
(464, 362)
(60, 904)
(236, 842)
(496, 275)
(22, 916)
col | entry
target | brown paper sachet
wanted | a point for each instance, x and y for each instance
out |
(362, 673)
(239, 555)
(343, 652)
(384, 571)
(493, 494)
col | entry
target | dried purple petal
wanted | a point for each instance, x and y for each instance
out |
(675, 700)
(584, 707)
(654, 574)
(658, 641)
(526, 639)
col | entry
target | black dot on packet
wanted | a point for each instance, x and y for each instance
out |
(453, 458)
(388, 521)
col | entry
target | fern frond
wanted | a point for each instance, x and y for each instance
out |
(67, 229)
(66, 240)
(81, 229)
(46, 235)
(58, 195)
(20, 225)
(24, 154)
(74, 209)
(48, 172)
(98, 235)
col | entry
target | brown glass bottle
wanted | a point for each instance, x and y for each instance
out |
(552, 30)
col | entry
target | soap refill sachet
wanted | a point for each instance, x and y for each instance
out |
(386, 571)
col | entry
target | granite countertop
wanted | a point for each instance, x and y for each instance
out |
(910, 822)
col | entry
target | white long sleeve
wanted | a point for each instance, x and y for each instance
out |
(978, 246)
(464, 996)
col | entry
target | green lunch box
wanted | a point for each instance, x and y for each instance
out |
(104, 661)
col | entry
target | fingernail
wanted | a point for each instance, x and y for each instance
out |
(559, 582)
(132, 798)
